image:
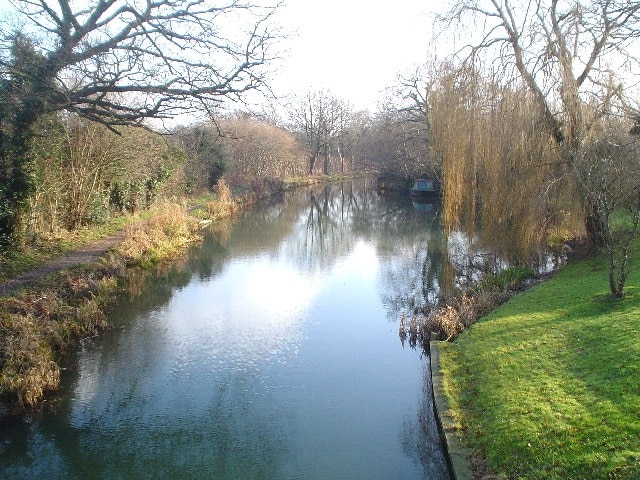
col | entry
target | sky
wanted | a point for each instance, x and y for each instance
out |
(353, 48)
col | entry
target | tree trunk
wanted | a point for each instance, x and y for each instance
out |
(594, 226)
(312, 164)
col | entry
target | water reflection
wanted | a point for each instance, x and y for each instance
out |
(417, 436)
(470, 256)
(266, 353)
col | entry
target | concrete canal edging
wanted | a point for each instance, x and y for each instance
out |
(457, 455)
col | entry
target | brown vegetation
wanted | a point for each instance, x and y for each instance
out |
(562, 68)
(257, 151)
(42, 325)
(502, 176)
(164, 234)
(456, 312)
(224, 205)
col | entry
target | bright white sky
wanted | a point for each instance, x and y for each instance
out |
(354, 48)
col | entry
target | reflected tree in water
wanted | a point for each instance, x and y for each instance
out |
(420, 435)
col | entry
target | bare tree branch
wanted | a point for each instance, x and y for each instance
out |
(557, 48)
(119, 62)
(163, 51)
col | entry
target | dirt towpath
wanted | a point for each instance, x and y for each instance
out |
(87, 254)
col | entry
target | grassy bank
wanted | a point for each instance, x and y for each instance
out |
(41, 325)
(547, 386)
(38, 250)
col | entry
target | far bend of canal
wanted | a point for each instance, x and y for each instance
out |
(270, 352)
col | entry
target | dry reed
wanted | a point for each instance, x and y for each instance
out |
(38, 326)
(459, 311)
(163, 235)
(224, 205)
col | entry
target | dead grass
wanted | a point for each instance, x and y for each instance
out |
(457, 312)
(164, 234)
(224, 205)
(39, 326)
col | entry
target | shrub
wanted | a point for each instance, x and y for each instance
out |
(163, 235)
(224, 205)
(457, 312)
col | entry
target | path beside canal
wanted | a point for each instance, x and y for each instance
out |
(87, 254)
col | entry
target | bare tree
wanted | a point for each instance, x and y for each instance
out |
(358, 150)
(576, 60)
(259, 151)
(612, 173)
(568, 53)
(403, 130)
(118, 62)
(324, 121)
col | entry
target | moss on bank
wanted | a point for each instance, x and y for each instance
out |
(546, 386)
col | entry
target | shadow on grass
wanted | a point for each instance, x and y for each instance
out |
(550, 381)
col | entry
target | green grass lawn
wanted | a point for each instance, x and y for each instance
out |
(548, 385)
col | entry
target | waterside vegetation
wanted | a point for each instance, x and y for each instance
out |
(532, 136)
(546, 385)
(41, 325)
(456, 312)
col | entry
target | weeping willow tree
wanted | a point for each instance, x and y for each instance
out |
(504, 181)
(452, 139)
(575, 62)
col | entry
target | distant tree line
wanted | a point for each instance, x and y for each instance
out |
(79, 84)
(82, 172)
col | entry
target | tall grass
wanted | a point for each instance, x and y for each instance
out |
(38, 326)
(223, 205)
(163, 235)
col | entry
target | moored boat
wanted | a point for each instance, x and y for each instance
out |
(422, 188)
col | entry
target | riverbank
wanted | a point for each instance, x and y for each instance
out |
(270, 291)
(546, 386)
(50, 303)
(65, 301)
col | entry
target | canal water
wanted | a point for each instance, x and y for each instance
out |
(270, 352)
